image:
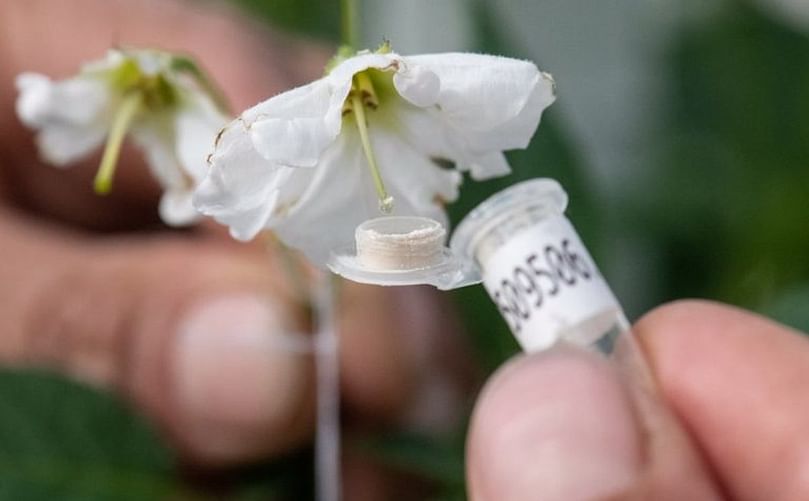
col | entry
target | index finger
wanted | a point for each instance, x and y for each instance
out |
(738, 382)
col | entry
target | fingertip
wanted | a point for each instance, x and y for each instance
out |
(699, 318)
(553, 425)
(242, 380)
(691, 342)
(688, 315)
(402, 359)
(735, 379)
(211, 346)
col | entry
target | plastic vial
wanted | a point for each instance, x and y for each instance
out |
(537, 270)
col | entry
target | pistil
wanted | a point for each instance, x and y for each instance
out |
(362, 95)
(122, 120)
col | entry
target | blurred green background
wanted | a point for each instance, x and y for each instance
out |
(681, 133)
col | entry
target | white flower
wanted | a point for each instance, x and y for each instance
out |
(161, 100)
(298, 163)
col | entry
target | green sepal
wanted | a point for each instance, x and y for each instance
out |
(185, 64)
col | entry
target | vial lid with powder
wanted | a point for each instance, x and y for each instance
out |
(537, 270)
(399, 243)
(402, 250)
(519, 244)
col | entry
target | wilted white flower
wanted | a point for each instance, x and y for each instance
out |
(314, 162)
(161, 100)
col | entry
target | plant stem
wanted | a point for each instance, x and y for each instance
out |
(327, 441)
(124, 115)
(348, 23)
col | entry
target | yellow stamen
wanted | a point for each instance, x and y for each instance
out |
(363, 85)
(124, 115)
(385, 200)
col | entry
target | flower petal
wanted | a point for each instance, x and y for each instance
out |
(242, 189)
(196, 126)
(426, 133)
(176, 208)
(492, 103)
(419, 186)
(517, 131)
(333, 204)
(155, 137)
(76, 101)
(487, 166)
(479, 90)
(70, 115)
(293, 128)
(60, 145)
(418, 85)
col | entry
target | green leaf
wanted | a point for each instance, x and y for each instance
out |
(430, 458)
(316, 18)
(289, 478)
(791, 307)
(727, 207)
(186, 64)
(61, 440)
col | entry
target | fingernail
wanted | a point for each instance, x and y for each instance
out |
(630, 359)
(554, 426)
(237, 380)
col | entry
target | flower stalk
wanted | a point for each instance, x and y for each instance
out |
(122, 120)
(348, 23)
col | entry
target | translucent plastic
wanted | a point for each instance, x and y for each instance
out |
(403, 250)
(536, 269)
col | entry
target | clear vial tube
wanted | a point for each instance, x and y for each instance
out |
(537, 270)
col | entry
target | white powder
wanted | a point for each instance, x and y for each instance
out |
(399, 243)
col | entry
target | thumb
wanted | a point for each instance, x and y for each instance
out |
(192, 330)
(564, 424)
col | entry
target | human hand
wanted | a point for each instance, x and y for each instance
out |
(188, 324)
(565, 425)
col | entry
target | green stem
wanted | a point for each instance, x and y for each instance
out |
(348, 23)
(385, 200)
(124, 115)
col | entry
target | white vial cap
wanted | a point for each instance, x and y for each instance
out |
(503, 212)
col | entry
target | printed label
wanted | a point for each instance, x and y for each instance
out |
(545, 283)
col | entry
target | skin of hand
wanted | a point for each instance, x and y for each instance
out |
(568, 425)
(188, 325)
